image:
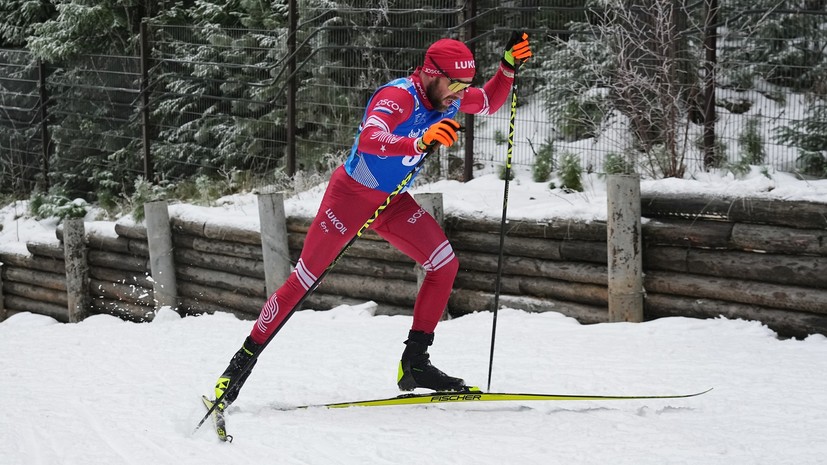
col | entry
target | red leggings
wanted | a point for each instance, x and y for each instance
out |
(404, 224)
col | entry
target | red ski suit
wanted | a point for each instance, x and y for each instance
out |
(347, 204)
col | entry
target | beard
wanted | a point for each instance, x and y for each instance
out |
(433, 97)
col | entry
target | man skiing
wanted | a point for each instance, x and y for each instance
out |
(403, 120)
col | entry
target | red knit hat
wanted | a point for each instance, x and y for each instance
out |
(451, 57)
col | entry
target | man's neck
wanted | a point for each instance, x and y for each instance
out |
(420, 89)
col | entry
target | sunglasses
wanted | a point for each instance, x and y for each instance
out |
(454, 85)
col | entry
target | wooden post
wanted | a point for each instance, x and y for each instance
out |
(2, 301)
(274, 247)
(431, 203)
(624, 248)
(161, 260)
(77, 269)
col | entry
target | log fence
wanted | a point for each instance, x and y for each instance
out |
(756, 259)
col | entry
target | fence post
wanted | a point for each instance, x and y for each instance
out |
(470, 33)
(2, 300)
(274, 246)
(145, 134)
(292, 86)
(161, 260)
(77, 269)
(431, 203)
(44, 121)
(624, 245)
(711, 159)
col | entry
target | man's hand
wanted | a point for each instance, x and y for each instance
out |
(442, 132)
(517, 50)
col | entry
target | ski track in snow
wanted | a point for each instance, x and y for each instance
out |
(106, 391)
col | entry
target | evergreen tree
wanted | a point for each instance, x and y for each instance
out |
(220, 107)
(18, 19)
(771, 40)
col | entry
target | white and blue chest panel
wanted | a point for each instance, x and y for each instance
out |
(384, 172)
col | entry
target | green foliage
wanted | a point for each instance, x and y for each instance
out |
(18, 19)
(618, 164)
(810, 136)
(86, 26)
(571, 172)
(719, 148)
(580, 118)
(782, 49)
(56, 205)
(752, 143)
(543, 162)
(813, 163)
(146, 192)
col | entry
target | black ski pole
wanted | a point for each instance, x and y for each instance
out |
(318, 281)
(502, 224)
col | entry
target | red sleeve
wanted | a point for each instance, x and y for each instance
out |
(490, 98)
(389, 107)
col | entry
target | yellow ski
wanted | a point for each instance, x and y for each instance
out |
(218, 420)
(479, 396)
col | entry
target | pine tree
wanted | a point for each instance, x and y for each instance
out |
(18, 19)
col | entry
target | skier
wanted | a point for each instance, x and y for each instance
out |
(403, 120)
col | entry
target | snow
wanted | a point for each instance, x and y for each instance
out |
(108, 391)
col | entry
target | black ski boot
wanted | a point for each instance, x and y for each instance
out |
(416, 371)
(230, 382)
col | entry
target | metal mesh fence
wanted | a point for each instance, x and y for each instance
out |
(217, 98)
(20, 135)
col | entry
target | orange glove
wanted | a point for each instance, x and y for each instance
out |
(442, 132)
(517, 50)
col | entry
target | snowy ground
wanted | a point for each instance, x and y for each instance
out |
(106, 391)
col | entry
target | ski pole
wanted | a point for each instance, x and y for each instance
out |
(502, 223)
(248, 366)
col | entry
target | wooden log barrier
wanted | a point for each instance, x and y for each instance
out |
(525, 266)
(785, 322)
(38, 293)
(464, 301)
(41, 278)
(46, 249)
(777, 239)
(736, 290)
(537, 287)
(220, 297)
(118, 261)
(393, 291)
(795, 214)
(246, 285)
(28, 261)
(236, 265)
(16, 304)
(554, 229)
(796, 270)
(137, 278)
(678, 232)
(124, 310)
(122, 293)
(213, 246)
